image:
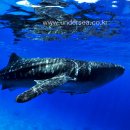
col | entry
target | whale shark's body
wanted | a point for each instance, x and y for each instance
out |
(51, 74)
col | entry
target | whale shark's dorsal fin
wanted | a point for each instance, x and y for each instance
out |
(14, 57)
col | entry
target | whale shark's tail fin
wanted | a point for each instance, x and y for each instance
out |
(13, 58)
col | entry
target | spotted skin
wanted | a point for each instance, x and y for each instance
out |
(42, 87)
(49, 74)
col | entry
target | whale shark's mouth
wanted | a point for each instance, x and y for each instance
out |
(106, 73)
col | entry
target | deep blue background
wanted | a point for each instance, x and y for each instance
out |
(105, 108)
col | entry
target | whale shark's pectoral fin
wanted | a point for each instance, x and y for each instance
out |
(43, 86)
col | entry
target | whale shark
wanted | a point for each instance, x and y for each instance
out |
(47, 75)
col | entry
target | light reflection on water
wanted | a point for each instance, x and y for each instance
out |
(106, 108)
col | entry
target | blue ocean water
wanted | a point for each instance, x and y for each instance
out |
(105, 108)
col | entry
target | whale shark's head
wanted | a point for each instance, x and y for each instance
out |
(101, 73)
